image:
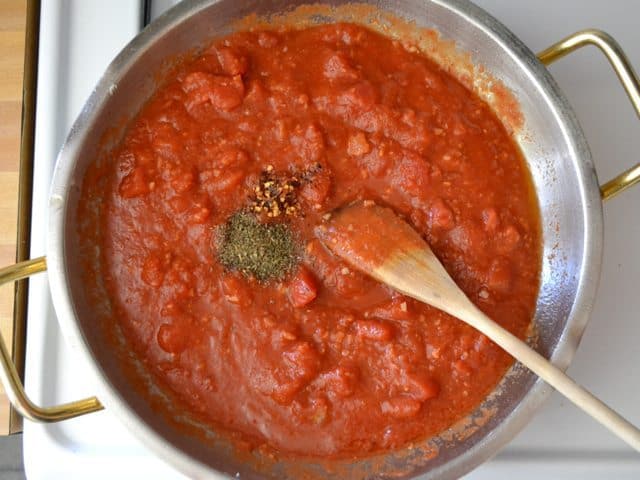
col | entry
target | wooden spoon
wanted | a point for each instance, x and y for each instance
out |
(376, 241)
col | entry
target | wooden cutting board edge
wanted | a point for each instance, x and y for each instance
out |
(12, 41)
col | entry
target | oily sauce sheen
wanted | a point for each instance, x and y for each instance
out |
(324, 361)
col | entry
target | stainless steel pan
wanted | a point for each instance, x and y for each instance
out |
(557, 154)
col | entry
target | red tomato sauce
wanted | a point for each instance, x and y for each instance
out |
(325, 362)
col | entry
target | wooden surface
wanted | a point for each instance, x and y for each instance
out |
(12, 24)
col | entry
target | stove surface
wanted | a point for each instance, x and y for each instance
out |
(78, 39)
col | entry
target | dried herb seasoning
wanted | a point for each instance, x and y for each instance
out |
(266, 251)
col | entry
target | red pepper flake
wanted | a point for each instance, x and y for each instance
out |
(275, 195)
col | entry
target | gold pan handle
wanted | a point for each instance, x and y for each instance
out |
(9, 376)
(628, 77)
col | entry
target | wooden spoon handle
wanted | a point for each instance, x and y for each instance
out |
(420, 275)
(395, 254)
(554, 376)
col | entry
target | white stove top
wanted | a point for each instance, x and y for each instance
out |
(78, 38)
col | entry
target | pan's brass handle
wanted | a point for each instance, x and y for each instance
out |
(627, 76)
(9, 376)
